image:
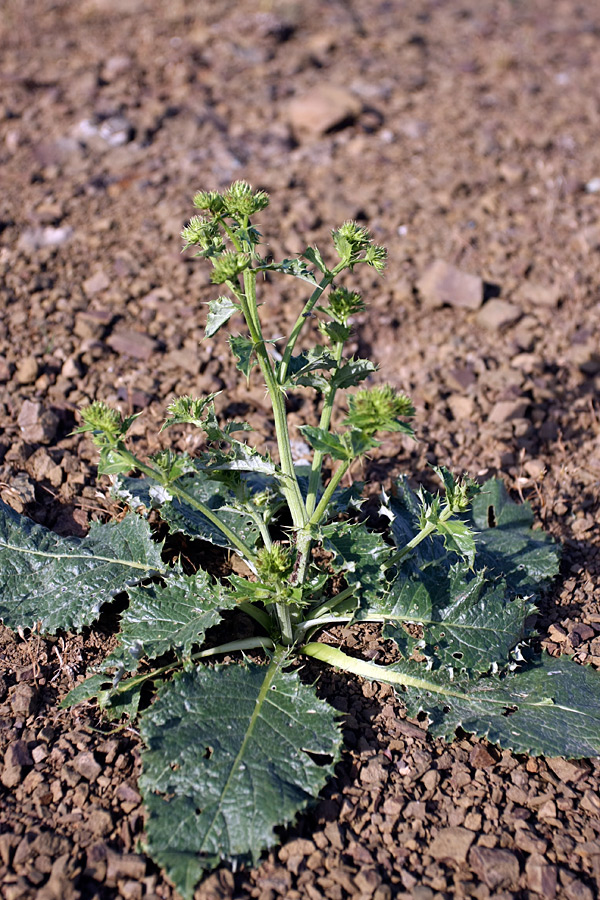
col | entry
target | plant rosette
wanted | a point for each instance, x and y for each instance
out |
(233, 752)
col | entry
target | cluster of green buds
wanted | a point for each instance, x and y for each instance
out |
(106, 426)
(354, 244)
(238, 202)
(274, 564)
(379, 408)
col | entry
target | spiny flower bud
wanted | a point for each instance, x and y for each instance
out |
(212, 201)
(376, 257)
(343, 304)
(228, 265)
(378, 409)
(242, 201)
(274, 563)
(199, 231)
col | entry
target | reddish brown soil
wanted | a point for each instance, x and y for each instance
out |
(461, 131)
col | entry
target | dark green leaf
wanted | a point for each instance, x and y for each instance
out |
(469, 624)
(313, 255)
(230, 757)
(506, 543)
(219, 312)
(325, 442)
(352, 373)
(360, 555)
(458, 538)
(173, 617)
(63, 582)
(549, 708)
(243, 350)
(294, 267)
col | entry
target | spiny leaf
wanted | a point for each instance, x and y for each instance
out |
(180, 516)
(63, 582)
(313, 255)
(243, 350)
(229, 757)
(507, 544)
(325, 441)
(550, 708)
(352, 373)
(306, 364)
(360, 555)
(458, 538)
(171, 617)
(219, 313)
(294, 267)
(469, 623)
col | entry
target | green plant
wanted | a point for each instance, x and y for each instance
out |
(232, 751)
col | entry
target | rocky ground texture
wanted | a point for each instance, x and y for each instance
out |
(464, 134)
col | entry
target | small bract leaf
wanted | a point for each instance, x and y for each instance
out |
(230, 756)
(62, 582)
(325, 441)
(243, 350)
(219, 313)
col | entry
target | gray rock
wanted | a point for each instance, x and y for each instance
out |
(27, 370)
(497, 868)
(321, 109)
(132, 343)
(451, 843)
(38, 425)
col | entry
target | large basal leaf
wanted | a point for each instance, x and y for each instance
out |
(180, 516)
(469, 623)
(506, 543)
(551, 708)
(62, 582)
(230, 755)
(171, 617)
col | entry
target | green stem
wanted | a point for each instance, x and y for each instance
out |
(329, 491)
(285, 623)
(325, 422)
(290, 484)
(182, 494)
(302, 318)
(244, 644)
(333, 602)
(257, 614)
(425, 532)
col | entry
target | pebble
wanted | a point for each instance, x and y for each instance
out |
(132, 343)
(497, 868)
(85, 764)
(33, 239)
(451, 843)
(497, 314)
(38, 425)
(540, 294)
(27, 370)
(505, 410)
(443, 284)
(96, 283)
(24, 700)
(319, 110)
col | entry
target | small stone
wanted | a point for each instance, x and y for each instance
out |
(38, 425)
(72, 368)
(321, 109)
(24, 700)
(547, 810)
(91, 324)
(85, 764)
(591, 802)
(124, 866)
(444, 284)
(39, 753)
(541, 877)
(451, 843)
(96, 283)
(27, 370)
(497, 314)
(497, 868)
(132, 343)
(33, 239)
(480, 758)
(557, 634)
(99, 821)
(128, 797)
(5, 370)
(460, 406)
(585, 632)
(17, 754)
(540, 294)
(505, 410)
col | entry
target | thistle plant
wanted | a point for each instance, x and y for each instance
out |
(233, 751)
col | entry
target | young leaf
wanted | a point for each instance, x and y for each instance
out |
(458, 538)
(294, 267)
(325, 442)
(229, 757)
(219, 313)
(63, 582)
(313, 255)
(306, 363)
(352, 373)
(469, 624)
(243, 350)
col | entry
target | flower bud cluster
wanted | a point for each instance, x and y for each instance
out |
(378, 409)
